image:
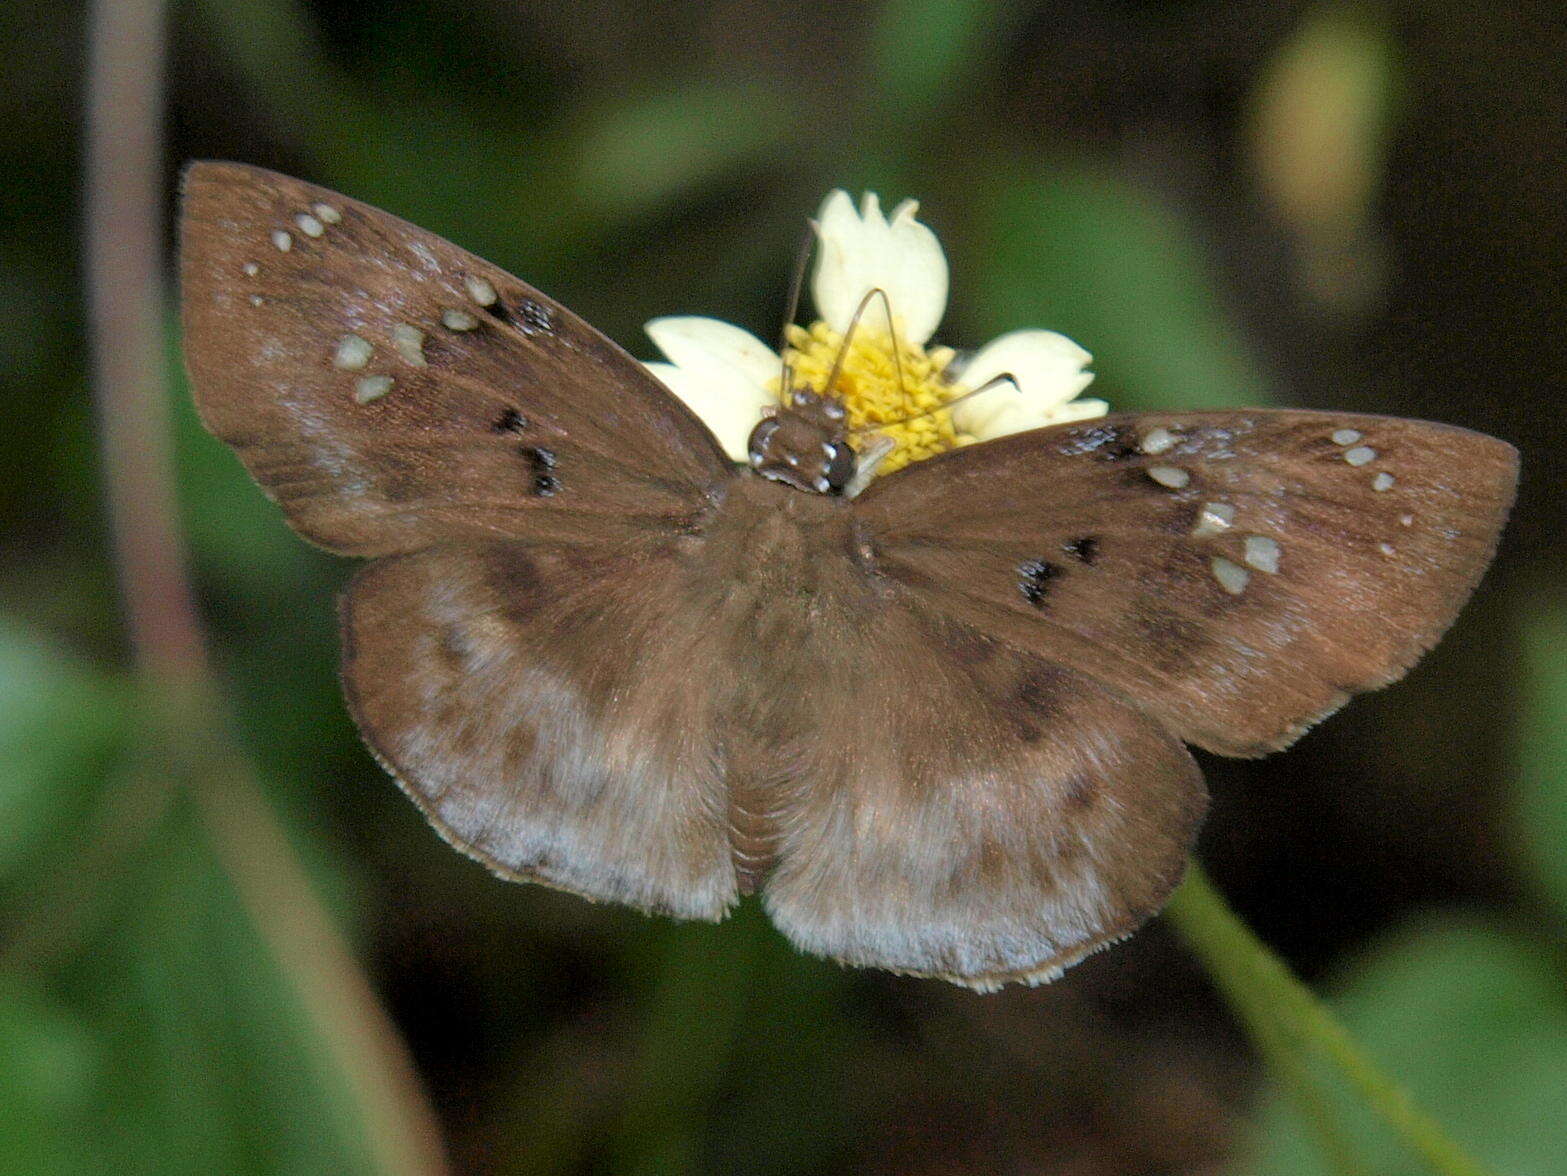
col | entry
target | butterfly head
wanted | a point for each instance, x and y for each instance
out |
(805, 444)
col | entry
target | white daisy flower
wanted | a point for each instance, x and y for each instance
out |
(889, 380)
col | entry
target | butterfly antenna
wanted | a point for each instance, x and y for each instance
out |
(1003, 378)
(796, 284)
(892, 333)
(848, 338)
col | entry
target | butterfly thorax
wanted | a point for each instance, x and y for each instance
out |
(785, 606)
(804, 445)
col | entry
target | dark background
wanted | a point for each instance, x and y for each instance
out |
(1349, 206)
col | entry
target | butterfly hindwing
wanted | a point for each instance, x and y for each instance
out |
(538, 708)
(391, 390)
(970, 811)
(1236, 574)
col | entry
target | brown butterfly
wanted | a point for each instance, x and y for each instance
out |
(939, 726)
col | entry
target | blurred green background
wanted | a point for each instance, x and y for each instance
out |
(1326, 205)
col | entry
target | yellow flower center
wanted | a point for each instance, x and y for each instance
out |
(908, 409)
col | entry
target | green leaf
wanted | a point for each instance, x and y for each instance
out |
(1475, 1023)
(48, 1067)
(923, 52)
(209, 1063)
(1542, 743)
(1079, 250)
(638, 155)
(145, 1026)
(169, 1040)
(59, 724)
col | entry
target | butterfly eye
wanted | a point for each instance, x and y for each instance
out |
(840, 465)
(756, 448)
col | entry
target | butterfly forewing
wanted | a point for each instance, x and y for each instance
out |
(1236, 574)
(391, 390)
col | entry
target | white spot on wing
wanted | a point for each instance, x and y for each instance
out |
(1360, 455)
(1231, 576)
(1346, 436)
(309, 225)
(1213, 519)
(352, 353)
(282, 240)
(1382, 481)
(1172, 476)
(326, 213)
(458, 320)
(1262, 553)
(372, 388)
(480, 290)
(251, 269)
(1157, 440)
(409, 342)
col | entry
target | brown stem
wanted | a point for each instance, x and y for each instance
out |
(124, 302)
(124, 169)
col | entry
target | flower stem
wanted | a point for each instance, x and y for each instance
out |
(1290, 1024)
(1293, 1071)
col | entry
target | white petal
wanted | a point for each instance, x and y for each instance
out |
(860, 251)
(839, 251)
(1015, 418)
(1079, 410)
(720, 370)
(1046, 365)
(730, 409)
(919, 288)
(1048, 368)
(709, 344)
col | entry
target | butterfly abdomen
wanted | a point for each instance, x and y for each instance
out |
(754, 824)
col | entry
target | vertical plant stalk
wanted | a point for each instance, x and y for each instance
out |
(124, 170)
(1281, 1013)
(122, 236)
